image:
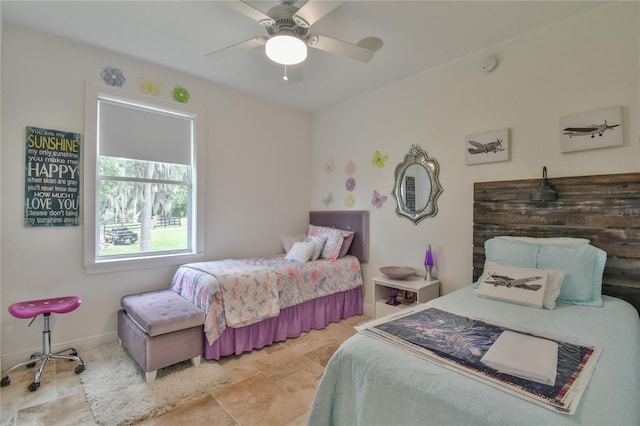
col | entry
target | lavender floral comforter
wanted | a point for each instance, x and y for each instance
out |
(237, 293)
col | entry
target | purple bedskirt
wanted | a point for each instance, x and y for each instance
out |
(313, 314)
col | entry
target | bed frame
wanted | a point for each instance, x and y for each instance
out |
(355, 220)
(603, 208)
(312, 314)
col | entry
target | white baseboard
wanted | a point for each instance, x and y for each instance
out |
(80, 345)
(367, 309)
(85, 344)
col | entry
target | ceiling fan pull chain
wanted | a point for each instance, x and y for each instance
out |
(285, 78)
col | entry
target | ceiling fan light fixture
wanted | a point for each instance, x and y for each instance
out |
(286, 49)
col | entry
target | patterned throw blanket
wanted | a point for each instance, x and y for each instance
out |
(237, 293)
(249, 292)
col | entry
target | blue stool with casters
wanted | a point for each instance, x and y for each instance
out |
(31, 309)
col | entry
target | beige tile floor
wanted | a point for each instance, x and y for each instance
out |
(271, 386)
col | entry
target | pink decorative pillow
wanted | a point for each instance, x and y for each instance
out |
(348, 239)
(334, 242)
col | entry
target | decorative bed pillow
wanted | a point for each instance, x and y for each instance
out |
(582, 263)
(335, 239)
(505, 251)
(524, 286)
(554, 284)
(551, 240)
(288, 241)
(318, 244)
(584, 266)
(346, 244)
(510, 252)
(300, 252)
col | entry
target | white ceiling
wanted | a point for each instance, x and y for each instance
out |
(417, 35)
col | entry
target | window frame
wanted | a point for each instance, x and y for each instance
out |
(91, 232)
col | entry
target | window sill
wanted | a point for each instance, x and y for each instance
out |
(120, 265)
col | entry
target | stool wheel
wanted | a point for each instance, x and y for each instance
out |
(74, 353)
(79, 369)
(5, 381)
(33, 386)
(33, 364)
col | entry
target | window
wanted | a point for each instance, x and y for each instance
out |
(141, 167)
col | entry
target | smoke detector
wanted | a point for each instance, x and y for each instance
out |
(489, 64)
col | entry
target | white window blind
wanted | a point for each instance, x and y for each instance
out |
(137, 132)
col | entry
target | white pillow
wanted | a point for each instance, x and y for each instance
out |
(553, 240)
(555, 278)
(300, 252)
(288, 241)
(554, 285)
(524, 286)
(318, 242)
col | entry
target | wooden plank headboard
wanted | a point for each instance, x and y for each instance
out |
(605, 209)
(350, 220)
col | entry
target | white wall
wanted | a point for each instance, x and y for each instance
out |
(257, 181)
(582, 64)
(0, 170)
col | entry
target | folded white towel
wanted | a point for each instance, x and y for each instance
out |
(524, 356)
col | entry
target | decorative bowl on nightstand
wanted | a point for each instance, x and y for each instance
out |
(397, 272)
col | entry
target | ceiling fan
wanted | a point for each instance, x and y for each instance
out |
(288, 36)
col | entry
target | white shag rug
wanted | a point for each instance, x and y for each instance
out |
(118, 393)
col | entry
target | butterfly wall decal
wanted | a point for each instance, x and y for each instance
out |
(379, 159)
(329, 166)
(378, 199)
(149, 87)
(328, 200)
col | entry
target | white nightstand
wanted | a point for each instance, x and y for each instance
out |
(424, 290)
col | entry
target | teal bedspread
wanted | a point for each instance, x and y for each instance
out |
(368, 382)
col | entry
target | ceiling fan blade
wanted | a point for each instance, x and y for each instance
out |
(313, 11)
(340, 47)
(239, 47)
(253, 13)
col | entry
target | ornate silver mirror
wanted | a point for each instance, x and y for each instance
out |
(417, 186)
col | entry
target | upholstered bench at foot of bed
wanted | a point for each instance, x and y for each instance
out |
(160, 328)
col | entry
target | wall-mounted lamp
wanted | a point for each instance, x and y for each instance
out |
(545, 191)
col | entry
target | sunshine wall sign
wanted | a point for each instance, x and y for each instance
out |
(52, 178)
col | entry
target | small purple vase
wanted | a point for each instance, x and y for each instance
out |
(393, 293)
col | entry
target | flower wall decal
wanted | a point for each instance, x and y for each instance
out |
(350, 201)
(350, 184)
(350, 168)
(181, 94)
(113, 76)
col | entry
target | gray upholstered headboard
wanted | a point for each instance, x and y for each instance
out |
(349, 220)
